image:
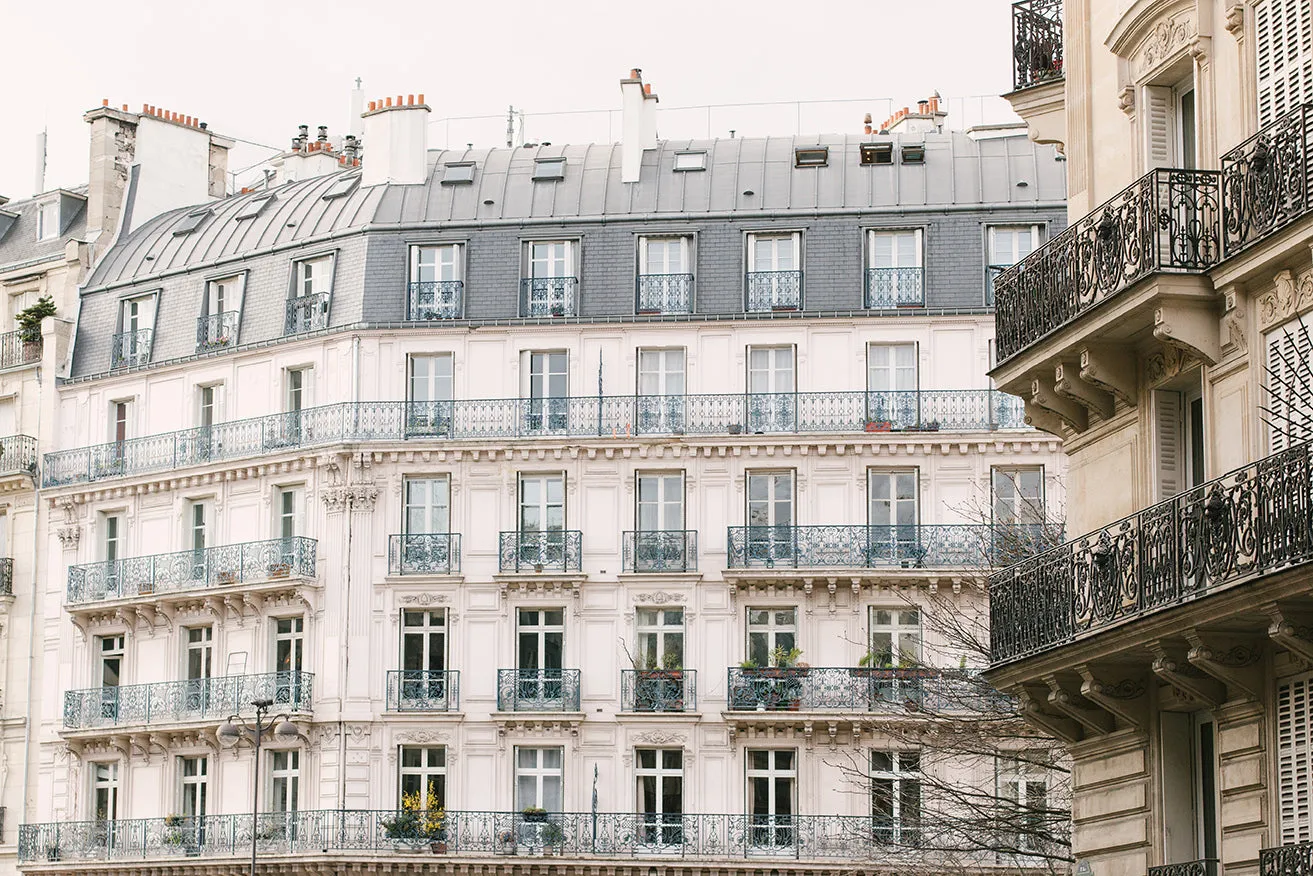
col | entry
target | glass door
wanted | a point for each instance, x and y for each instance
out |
(289, 657)
(770, 534)
(772, 392)
(659, 542)
(541, 536)
(429, 409)
(772, 777)
(423, 659)
(199, 659)
(892, 399)
(540, 643)
(548, 392)
(893, 534)
(111, 677)
(660, 774)
(661, 388)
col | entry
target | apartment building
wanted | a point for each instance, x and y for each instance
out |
(580, 501)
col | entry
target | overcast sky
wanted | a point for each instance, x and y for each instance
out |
(255, 70)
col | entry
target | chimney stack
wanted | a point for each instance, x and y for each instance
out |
(396, 135)
(638, 124)
(928, 118)
(307, 158)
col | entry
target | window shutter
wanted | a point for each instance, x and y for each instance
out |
(1287, 346)
(1284, 56)
(1159, 133)
(1293, 761)
(1170, 455)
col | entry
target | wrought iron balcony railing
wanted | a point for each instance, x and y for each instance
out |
(1166, 221)
(537, 690)
(308, 313)
(608, 835)
(6, 576)
(773, 291)
(131, 349)
(18, 454)
(1265, 180)
(1292, 860)
(658, 690)
(549, 296)
(861, 689)
(1036, 42)
(435, 299)
(894, 287)
(1205, 867)
(661, 551)
(219, 566)
(195, 699)
(559, 550)
(664, 293)
(481, 419)
(952, 545)
(424, 690)
(424, 553)
(1243, 524)
(216, 331)
(19, 348)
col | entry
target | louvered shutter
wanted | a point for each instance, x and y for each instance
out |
(1293, 761)
(1169, 452)
(1159, 127)
(1284, 56)
(1289, 384)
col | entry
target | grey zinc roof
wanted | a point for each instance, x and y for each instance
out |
(18, 243)
(957, 171)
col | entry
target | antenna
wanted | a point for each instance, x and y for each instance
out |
(40, 162)
(510, 127)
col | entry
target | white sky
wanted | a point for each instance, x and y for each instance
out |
(255, 70)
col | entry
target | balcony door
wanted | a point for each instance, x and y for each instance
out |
(429, 408)
(539, 779)
(551, 272)
(659, 541)
(435, 275)
(772, 389)
(541, 539)
(772, 797)
(199, 666)
(540, 646)
(289, 661)
(893, 534)
(426, 524)
(891, 385)
(105, 801)
(661, 388)
(660, 775)
(548, 392)
(283, 798)
(423, 656)
(773, 272)
(111, 677)
(198, 538)
(770, 533)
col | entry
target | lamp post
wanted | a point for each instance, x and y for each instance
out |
(236, 728)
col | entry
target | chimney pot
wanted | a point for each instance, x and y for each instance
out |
(389, 101)
(323, 133)
(104, 101)
(647, 88)
(371, 106)
(399, 101)
(410, 100)
(125, 107)
(421, 97)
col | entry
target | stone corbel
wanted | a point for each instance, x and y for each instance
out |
(1033, 711)
(1233, 322)
(1126, 100)
(1072, 414)
(1110, 369)
(1127, 699)
(1072, 704)
(1235, 663)
(1235, 20)
(69, 536)
(1291, 632)
(1189, 329)
(1200, 49)
(1172, 668)
(1043, 420)
(1068, 383)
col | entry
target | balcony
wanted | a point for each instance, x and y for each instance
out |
(274, 560)
(197, 699)
(131, 349)
(427, 553)
(554, 551)
(17, 350)
(664, 293)
(435, 299)
(308, 313)
(6, 576)
(773, 291)
(1265, 181)
(549, 296)
(18, 455)
(217, 331)
(953, 545)
(1293, 860)
(423, 690)
(658, 690)
(860, 689)
(1205, 867)
(894, 287)
(1036, 43)
(538, 690)
(660, 551)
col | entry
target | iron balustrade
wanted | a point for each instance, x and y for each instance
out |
(306, 313)
(658, 690)
(18, 453)
(1266, 180)
(435, 299)
(16, 349)
(537, 690)
(216, 331)
(1036, 42)
(1246, 523)
(673, 550)
(861, 689)
(194, 699)
(773, 291)
(131, 349)
(895, 287)
(549, 296)
(423, 690)
(558, 550)
(1291, 860)
(1204, 867)
(909, 546)
(6, 576)
(664, 293)
(1166, 221)
(481, 419)
(180, 571)
(608, 835)
(424, 553)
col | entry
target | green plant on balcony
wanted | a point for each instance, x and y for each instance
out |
(418, 821)
(29, 319)
(534, 813)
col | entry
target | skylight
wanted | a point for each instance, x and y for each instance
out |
(191, 222)
(457, 173)
(342, 187)
(913, 153)
(548, 169)
(877, 153)
(252, 208)
(814, 156)
(685, 161)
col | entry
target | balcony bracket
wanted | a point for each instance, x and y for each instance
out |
(1040, 418)
(1068, 383)
(1071, 413)
(1188, 682)
(1032, 710)
(1128, 699)
(1075, 706)
(1191, 330)
(1236, 663)
(1292, 632)
(1110, 369)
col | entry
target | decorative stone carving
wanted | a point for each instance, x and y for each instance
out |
(1235, 20)
(1126, 100)
(421, 737)
(660, 597)
(1287, 299)
(1166, 38)
(69, 536)
(424, 599)
(660, 737)
(1167, 362)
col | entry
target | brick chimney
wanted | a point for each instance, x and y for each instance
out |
(928, 118)
(638, 124)
(396, 140)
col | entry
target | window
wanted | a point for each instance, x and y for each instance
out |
(430, 388)
(772, 785)
(197, 527)
(1289, 355)
(892, 515)
(111, 547)
(660, 633)
(894, 268)
(284, 781)
(289, 645)
(877, 153)
(538, 778)
(207, 405)
(313, 276)
(913, 153)
(105, 791)
(423, 659)
(199, 657)
(770, 517)
(110, 666)
(457, 173)
(549, 288)
(772, 400)
(660, 502)
(343, 187)
(295, 381)
(190, 222)
(136, 327)
(548, 169)
(47, 221)
(1294, 758)
(816, 156)
(437, 272)
(663, 255)
(686, 161)
(895, 637)
(218, 323)
(1284, 56)
(193, 788)
(1169, 125)
(539, 646)
(661, 387)
(427, 505)
(774, 280)
(1008, 244)
(1018, 495)
(287, 514)
(891, 384)
(1023, 794)
(118, 423)
(253, 206)
(223, 296)
(771, 631)
(896, 797)
(548, 389)
(1179, 439)
(660, 798)
(423, 774)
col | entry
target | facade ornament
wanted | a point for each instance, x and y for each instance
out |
(69, 536)
(1164, 40)
(660, 597)
(1287, 299)
(424, 599)
(660, 737)
(421, 737)
(1235, 20)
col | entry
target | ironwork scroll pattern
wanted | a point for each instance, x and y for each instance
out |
(186, 700)
(423, 690)
(1036, 42)
(1265, 180)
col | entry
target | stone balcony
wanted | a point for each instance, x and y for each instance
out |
(1038, 76)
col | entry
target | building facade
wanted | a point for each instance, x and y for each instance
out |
(1162, 335)
(594, 494)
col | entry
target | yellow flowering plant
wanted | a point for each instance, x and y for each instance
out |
(417, 819)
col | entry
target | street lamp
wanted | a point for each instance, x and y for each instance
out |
(236, 728)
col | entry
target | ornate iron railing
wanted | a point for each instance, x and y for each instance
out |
(537, 690)
(664, 293)
(549, 296)
(1245, 523)
(424, 553)
(660, 551)
(1036, 42)
(131, 349)
(219, 566)
(1266, 180)
(952, 545)
(216, 331)
(894, 287)
(6, 576)
(481, 419)
(435, 299)
(423, 690)
(308, 313)
(15, 349)
(611, 835)
(658, 690)
(193, 699)
(559, 550)
(773, 290)
(1205, 867)
(18, 454)
(861, 689)
(1166, 221)
(1292, 860)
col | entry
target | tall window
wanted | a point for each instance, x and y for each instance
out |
(661, 387)
(423, 641)
(1179, 439)
(774, 279)
(198, 528)
(770, 516)
(119, 414)
(207, 405)
(891, 368)
(540, 646)
(436, 279)
(105, 791)
(770, 632)
(296, 382)
(538, 778)
(660, 776)
(284, 781)
(551, 258)
(423, 773)
(660, 638)
(542, 503)
(112, 545)
(660, 502)
(548, 391)
(772, 788)
(223, 296)
(895, 637)
(894, 268)
(549, 289)
(896, 797)
(1018, 495)
(430, 391)
(771, 387)
(136, 321)
(287, 521)
(47, 221)
(1008, 244)
(892, 515)
(1294, 758)
(200, 652)
(193, 786)
(427, 505)
(1023, 793)
(289, 661)
(314, 276)
(110, 669)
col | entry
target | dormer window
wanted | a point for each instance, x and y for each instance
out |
(913, 153)
(252, 208)
(190, 222)
(457, 174)
(877, 153)
(548, 169)
(685, 161)
(816, 156)
(343, 187)
(47, 221)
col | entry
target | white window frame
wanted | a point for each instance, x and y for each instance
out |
(1294, 758)
(296, 388)
(111, 544)
(1283, 57)
(426, 773)
(428, 627)
(198, 644)
(897, 501)
(896, 366)
(545, 505)
(897, 258)
(557, 263)
(431, 496)
(778, 830)
(221, 292)
(284, 774)
(48, 221)
(541, 774)
(288, 514)
(906, 633)
(655, 631)
(659, 497)
(659, 827)
(646, 264)
(104, 780)
(774, 261)
(313, 276)
(656, 374)
(1015, 775)
(430, 377)
(193, 789)
(445, 261)
(209, 404)
(898, 775)
(1020, 511)
(289, 631)
(771, 627)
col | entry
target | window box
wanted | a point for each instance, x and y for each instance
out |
(226, 577)
(279, 570)
(879, 426)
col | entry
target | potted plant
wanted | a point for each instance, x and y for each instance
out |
(534, 813)
(552, 836)
(173, 834)
(736, 428)
(558, 310)
(879, 426)
(29, 325)
(279, 570)
(418, 822)
(506, 842)
(659, 689)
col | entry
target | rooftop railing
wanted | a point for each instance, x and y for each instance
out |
(192, 699)
(537, 690)
(1036, 42)
(769, 291)
(895, 287)
(557, 550)
(658, 690)
(861, 689)
(911, 546)
(664, 293)
(307, 313)
(131, 349)
(435, 299)
(423, 690)
(18, 454)
(424, 553)
(19, 348)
